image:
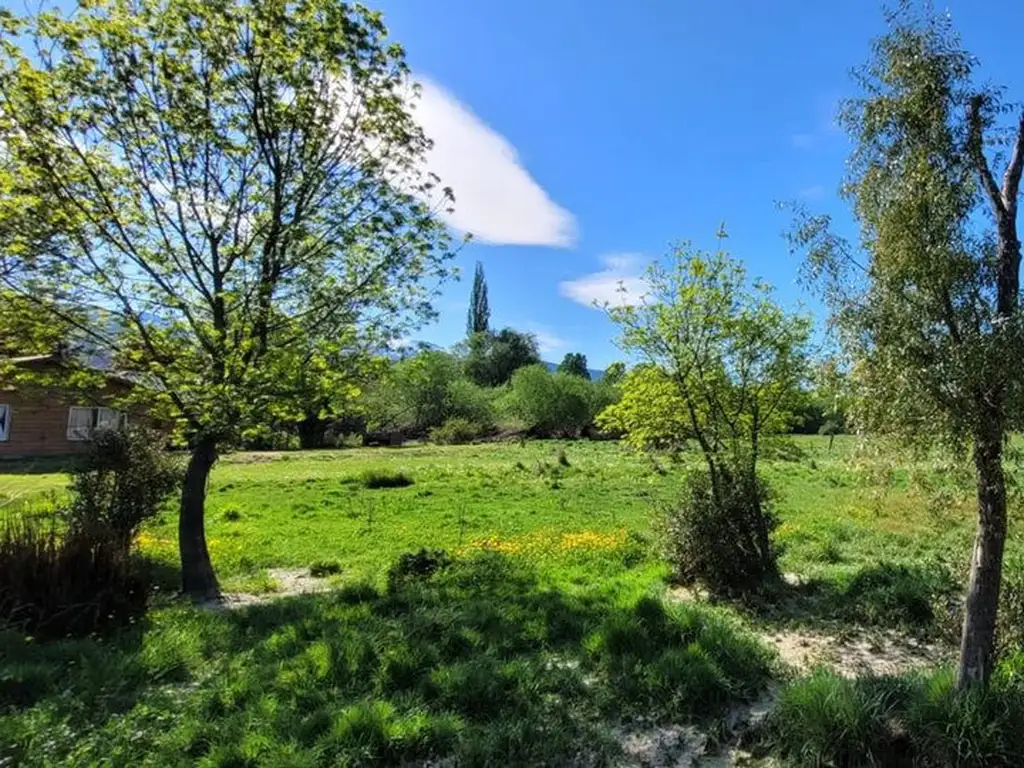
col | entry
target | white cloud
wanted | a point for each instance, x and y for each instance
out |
(547, 342)
(496, 199)
(619, 283)
(813, 192)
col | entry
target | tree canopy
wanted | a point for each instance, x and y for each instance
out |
(478, 318)
(575, 364)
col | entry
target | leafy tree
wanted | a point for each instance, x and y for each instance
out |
(479, 316)
(228, 179)
(551, 404)
(491, 359)
(575, 364)
(930, 314)
(425, 391)
(736, 363)
(614, 373)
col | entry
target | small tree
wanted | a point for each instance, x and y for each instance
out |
(575, 364)
(229, 180)
(931, 317)
(736, 362)
(479, 315)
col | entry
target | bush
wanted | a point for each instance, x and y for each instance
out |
(121, 482)
(55, 584)
(722, 540)
(457, 431)
(418, 565)
(385, 478)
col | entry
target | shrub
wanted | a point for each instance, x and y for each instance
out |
(121, 482)
(385, 478)
(418, 565)
(724, 539)
(76, 582)
(456, 431)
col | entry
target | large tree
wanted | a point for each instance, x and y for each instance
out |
(227, 179)
(478, 318)
(930, 312)
(492, 358)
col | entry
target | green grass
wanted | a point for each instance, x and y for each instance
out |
(486, 661)
(548, 629)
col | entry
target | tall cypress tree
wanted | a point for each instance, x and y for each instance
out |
(479, 316)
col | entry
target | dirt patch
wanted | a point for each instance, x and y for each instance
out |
(289, 581)
(667, 746)
(875, 653)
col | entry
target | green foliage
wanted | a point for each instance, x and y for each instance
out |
(614, 373)
(651, 415)
(478, 318)
(491, 359)
(56, 583)
(830, 720)
(722, 538)
(549, 404)
(575, 364)
(228, 196)
(720, 350)
(455, 431)
(425, 391)
(385, 478)
(725, 368)
(121, 482)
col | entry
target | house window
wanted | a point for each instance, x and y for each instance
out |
(84, 421)
(5, 422)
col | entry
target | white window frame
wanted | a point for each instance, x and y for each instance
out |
(89, 419)
(5, 422)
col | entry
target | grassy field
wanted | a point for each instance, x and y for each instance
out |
(548, 634)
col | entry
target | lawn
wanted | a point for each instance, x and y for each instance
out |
(547, 637)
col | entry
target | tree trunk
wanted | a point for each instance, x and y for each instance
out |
(977, 642)
(198, 580)
(311, 431)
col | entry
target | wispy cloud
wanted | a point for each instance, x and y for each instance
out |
(549, 343)
(619, 283)
(496, 198)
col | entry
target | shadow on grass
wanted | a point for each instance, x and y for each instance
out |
(46, 465)
(480, 662)
(918, 599)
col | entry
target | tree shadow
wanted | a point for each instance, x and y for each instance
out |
(913, 598)
(44, 465)
(480, 661)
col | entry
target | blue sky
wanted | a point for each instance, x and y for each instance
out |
(583, 137)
